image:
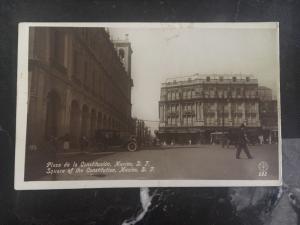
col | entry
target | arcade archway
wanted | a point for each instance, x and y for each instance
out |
(52, 115)
(74, 122)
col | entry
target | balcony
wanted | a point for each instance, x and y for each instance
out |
(173, 114)
(188, 113)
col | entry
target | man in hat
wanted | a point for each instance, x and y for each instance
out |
(242, 143)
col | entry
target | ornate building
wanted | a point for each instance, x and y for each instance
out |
(265, 93)
(192, 107)
(79, 81)
(268, 113)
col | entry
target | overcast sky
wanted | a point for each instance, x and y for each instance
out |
(159, 54)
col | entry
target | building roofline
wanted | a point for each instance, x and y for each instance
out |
(213, 76)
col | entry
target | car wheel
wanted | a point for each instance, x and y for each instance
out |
(132, 146)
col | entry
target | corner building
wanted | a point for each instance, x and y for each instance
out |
(192, 107)
(78, 83)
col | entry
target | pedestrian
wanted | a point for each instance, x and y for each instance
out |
(53, 144)
(261, 139)
(270, 138)
(224, 140)
(83, 143)
(227, 140)
(242, 143)
(66, 142)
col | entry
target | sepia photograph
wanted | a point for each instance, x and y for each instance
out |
(148, 104)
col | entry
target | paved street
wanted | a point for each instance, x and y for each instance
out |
(182, 162)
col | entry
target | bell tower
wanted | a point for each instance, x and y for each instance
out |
(124, 51)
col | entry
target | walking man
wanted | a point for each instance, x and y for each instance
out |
(242, 143)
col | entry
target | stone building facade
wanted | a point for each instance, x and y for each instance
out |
(78, 83)
(265, 93)
(268, 113)
(191, 107)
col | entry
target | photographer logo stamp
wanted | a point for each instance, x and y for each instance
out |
(263, 167)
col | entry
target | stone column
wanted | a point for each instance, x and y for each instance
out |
(181, 113)
(161, 113)
(164, 113)
(243, 112)
(232, 117)
(197, 111)
(216, 114)
(229, 114)
(257, 119)
(67, 110)
(69, 57)
(195, 117)
(48, 45)
(202, 111)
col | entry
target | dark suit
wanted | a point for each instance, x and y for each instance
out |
(242, 144)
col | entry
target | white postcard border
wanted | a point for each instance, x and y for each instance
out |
(22, 100)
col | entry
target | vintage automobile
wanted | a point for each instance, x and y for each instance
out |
(108, 139)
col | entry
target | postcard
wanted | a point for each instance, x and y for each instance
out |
(148, 105)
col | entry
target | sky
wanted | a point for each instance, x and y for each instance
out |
(161, 53)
